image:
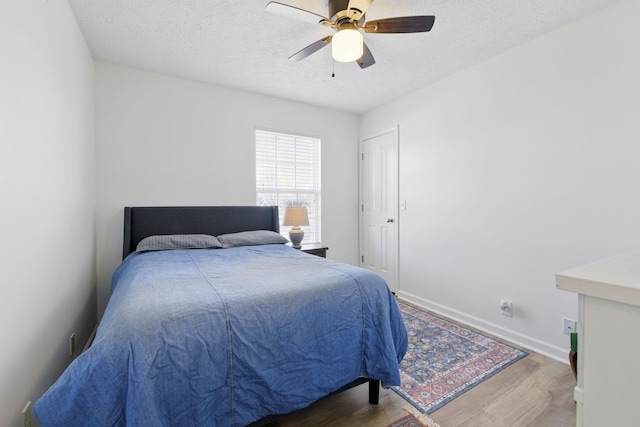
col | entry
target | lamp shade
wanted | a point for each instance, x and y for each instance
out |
(296, 216)
(346, 45)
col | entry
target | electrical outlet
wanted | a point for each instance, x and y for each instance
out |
(506, 307)
(568, 326)
(72, 344)
(26, 415)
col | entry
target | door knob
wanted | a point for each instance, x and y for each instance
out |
(390, 220)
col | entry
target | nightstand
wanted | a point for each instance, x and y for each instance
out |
(315, 249)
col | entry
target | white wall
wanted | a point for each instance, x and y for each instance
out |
(518, 168)
(47, 188)
(168, 141)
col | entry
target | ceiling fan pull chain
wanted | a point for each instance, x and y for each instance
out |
(333, 67)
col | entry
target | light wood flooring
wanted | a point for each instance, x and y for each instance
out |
(534, 391)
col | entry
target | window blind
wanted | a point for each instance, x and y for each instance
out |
(288, 174)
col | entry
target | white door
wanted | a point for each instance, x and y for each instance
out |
(379, 205)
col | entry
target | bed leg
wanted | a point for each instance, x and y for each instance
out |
(374, 391)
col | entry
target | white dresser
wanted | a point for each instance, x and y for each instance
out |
(608, 390)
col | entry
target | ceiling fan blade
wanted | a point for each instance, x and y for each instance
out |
(407, 24)
(312, 48)
(366, 60)
(294, 12)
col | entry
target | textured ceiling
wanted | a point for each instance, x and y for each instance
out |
(238, 44)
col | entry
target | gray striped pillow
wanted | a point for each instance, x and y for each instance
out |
(178, 241)
(248, 238)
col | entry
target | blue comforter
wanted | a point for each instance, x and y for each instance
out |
(224, 337)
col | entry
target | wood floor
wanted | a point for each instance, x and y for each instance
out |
(534, 391)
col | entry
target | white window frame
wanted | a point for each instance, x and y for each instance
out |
(289, 164)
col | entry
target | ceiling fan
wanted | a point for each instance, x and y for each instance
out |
(347, 17)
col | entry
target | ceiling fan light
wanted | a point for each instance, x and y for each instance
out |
(346, 45)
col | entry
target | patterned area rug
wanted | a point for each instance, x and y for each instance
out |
(445, 360)
(414, 419)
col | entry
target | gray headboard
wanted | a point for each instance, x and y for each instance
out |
(141, 222)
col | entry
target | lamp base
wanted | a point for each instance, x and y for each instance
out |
(296, 234)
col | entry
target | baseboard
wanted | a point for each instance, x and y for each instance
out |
(533, 344)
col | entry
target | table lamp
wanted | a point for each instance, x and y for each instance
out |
(295, 216)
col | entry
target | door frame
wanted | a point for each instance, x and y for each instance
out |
(395, 130)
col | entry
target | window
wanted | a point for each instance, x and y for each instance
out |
(288, 174)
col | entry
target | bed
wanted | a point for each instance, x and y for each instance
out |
(228, 336)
